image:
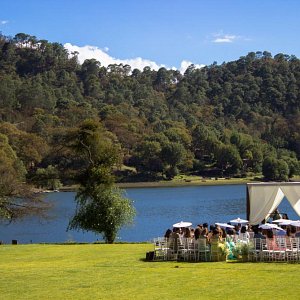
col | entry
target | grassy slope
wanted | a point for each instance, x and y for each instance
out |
(171, 183)
(186, 181)
(117, 272)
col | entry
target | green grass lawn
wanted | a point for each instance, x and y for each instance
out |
(99, 271)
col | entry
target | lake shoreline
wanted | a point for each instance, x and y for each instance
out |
(181, 183)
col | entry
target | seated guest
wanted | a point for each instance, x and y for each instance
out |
(200, 226)
(244, 229)
(205, 228)
(187, 233)
(214, 241)
(281, 232)
(244, 234)
(211, 230)
(265, 232)
(174, 239)
(175, 233)
(197, 233)
(192, 233)
(258, 233)
(293, 231)
(230, 234)
(236, 234)
(204, 234)
(237, 228)
(215, 236)
(289, 235)
(181, 232)
(224, 234)
(297, 234)
(271, 242)
(168, 233)
(270, 234)
(220, 232)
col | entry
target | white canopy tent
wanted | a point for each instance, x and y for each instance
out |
(263, 198)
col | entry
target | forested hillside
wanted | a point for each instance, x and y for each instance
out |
(231, 119)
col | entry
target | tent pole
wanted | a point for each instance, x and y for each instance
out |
(247, 202)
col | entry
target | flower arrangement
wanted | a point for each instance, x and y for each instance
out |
(242, 250)
(224, 251)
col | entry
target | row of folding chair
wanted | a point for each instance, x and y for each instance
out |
(278, 249)
(181, 249)
(196, 250)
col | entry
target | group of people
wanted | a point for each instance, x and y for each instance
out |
(235, 240)
(214, 234)
(221, 241)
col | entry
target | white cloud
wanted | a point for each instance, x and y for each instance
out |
(185, 64)
(3, 22)
(222, 37)
(89, 52)
(225, 38)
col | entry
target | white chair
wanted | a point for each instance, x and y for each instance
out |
(279, 250)
(215, 253)
(243, 237)
(266, 251)
(256, 252)
(189, 253)
(203, 250)
(293, 249)
(172, 248)
(182, 248)
(160, 248)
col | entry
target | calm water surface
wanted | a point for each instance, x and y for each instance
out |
(157, 209)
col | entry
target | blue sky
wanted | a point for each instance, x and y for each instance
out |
(165, 32)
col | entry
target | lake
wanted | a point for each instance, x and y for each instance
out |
(157, 209)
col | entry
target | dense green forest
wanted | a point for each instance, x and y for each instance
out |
(231, 119)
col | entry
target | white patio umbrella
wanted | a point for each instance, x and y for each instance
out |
(182, 224)
(266, 226)
(279, 228)
(239, 221)
(286, 222)
(296, 223)
(224, 225)
(270, 226)
(280, 221)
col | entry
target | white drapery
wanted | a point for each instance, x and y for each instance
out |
(264, 198)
